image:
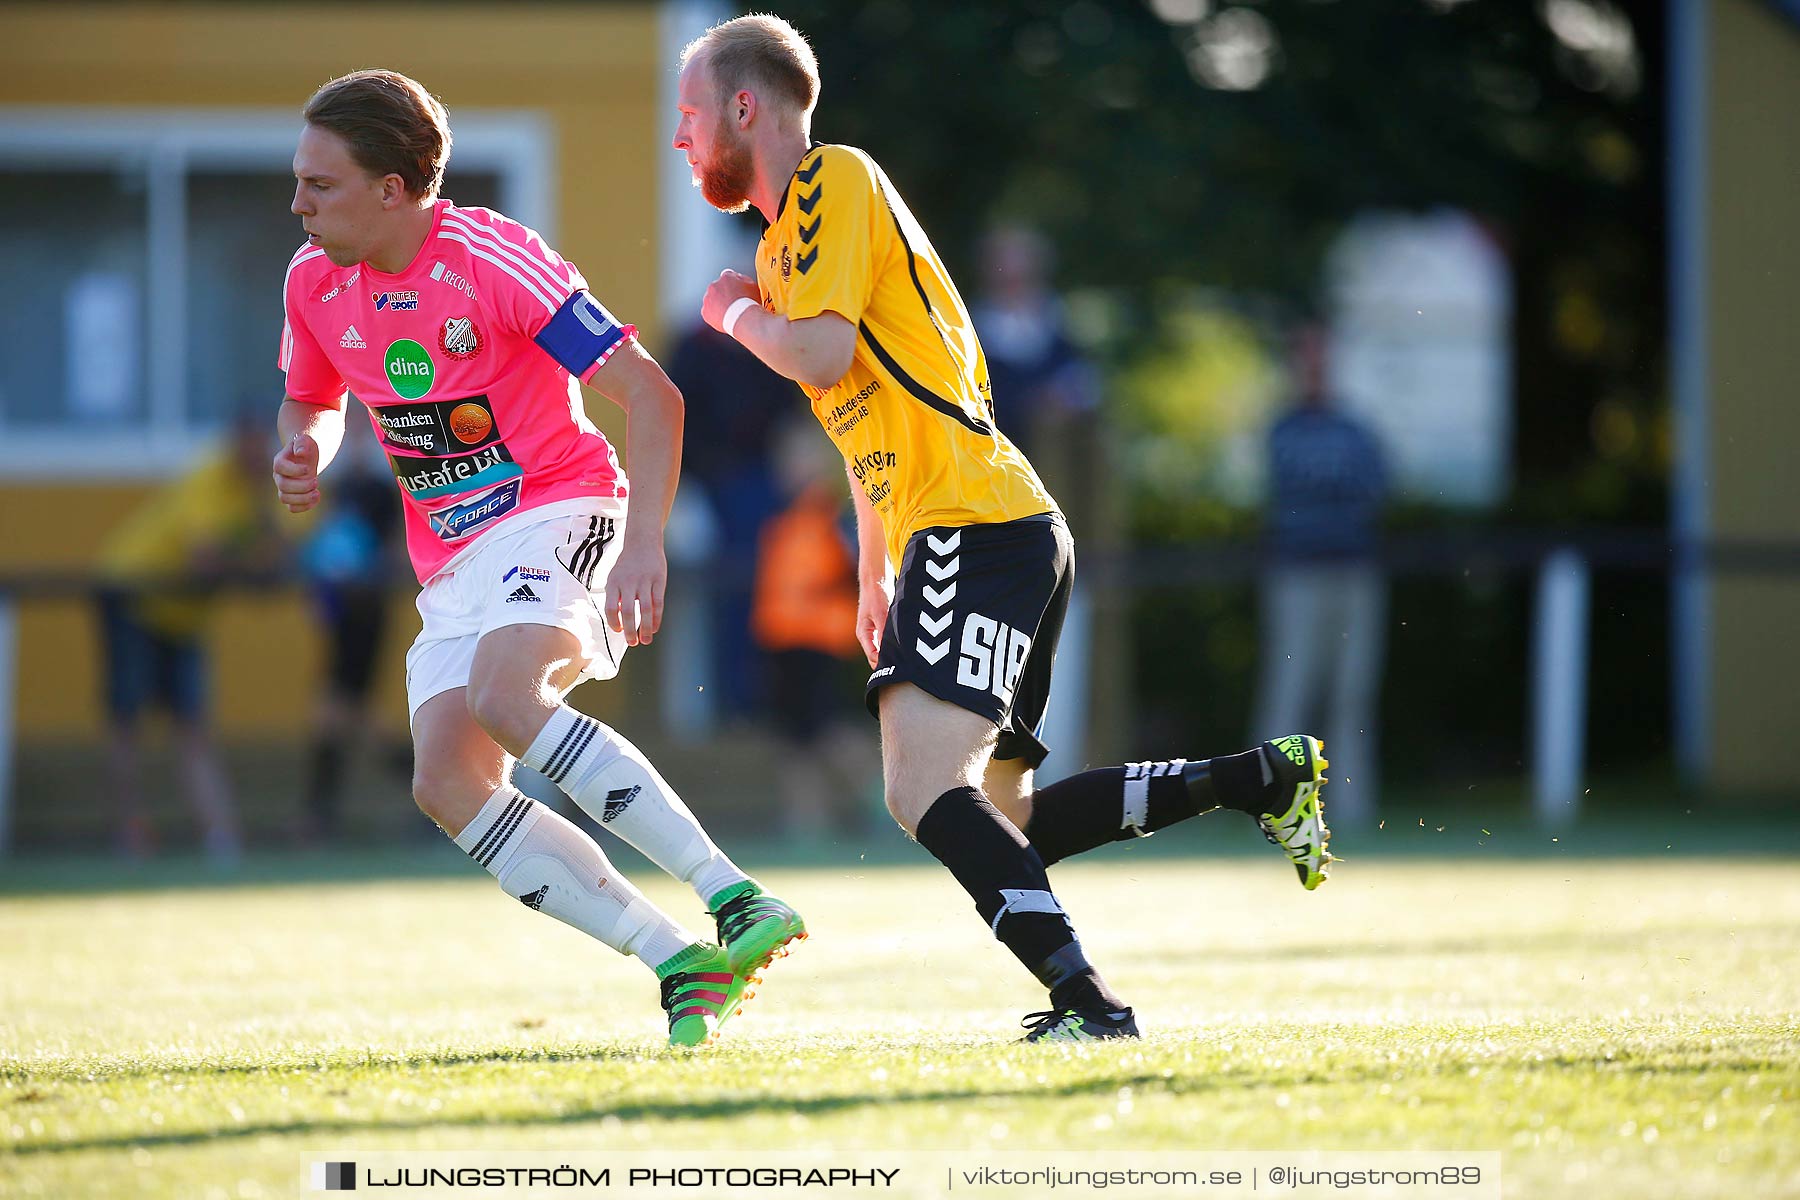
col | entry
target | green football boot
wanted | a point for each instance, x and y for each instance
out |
(754, 927)
(1299, 763)
(700, 992)
(1079, 1025)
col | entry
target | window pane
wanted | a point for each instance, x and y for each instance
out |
(240, 238)
(472, 189)
(72, 335)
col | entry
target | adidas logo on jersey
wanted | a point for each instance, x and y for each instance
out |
(523, 595)
(535, 900)
(618, 800)
(352, 340)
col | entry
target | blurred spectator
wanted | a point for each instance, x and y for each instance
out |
(158, 571)
(1045, 394)
(733, 404)
(1324, 596)
(351, 559)
(804, 619)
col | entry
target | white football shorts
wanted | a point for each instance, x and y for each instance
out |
(551, 570)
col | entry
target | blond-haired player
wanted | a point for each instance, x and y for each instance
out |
(466, 338)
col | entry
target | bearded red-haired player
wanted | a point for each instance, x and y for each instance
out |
(851, 301)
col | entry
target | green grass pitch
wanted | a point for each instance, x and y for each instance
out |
(1614, 1027)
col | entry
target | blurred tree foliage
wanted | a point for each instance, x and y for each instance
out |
(1169, 146)
(1104, 125)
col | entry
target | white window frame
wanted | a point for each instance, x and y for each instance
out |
(168, 144)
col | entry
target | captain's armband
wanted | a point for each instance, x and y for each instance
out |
(582, 334)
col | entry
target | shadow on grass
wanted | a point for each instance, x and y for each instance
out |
(674, 1110)
(819, 1106)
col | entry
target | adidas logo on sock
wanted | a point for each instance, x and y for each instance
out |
(617, 801)
(523, 594)
(535, 900)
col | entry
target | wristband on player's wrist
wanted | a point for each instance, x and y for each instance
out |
(735, 313)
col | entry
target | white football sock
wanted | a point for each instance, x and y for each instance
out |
(552, 866)
(618, 787)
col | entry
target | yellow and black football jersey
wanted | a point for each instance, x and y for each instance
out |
(913, 416)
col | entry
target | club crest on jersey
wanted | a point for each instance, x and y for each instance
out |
(459, 338)
(395, 301)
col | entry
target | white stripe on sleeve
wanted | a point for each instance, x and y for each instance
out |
(535, 288)
(536, 266)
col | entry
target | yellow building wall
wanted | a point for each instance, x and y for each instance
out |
(592, 72)
(1754, 279)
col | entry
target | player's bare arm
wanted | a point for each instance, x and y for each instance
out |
(310, 437)
(874, 581)
(814, 350)
(654, 413)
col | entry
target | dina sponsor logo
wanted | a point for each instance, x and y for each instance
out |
(431, 478)
(409, 369)
(460, 520)
(395, 301)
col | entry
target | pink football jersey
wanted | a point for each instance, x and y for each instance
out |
(467, 361)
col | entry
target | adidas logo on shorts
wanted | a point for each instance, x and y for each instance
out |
(523, 595)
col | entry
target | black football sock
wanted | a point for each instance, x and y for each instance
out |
(1246, 782)
(1113, 804)
(1116, 804)
(1005, 877)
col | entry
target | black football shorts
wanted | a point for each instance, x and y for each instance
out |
(975, 620)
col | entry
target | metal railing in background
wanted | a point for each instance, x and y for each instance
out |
(1561, 562)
